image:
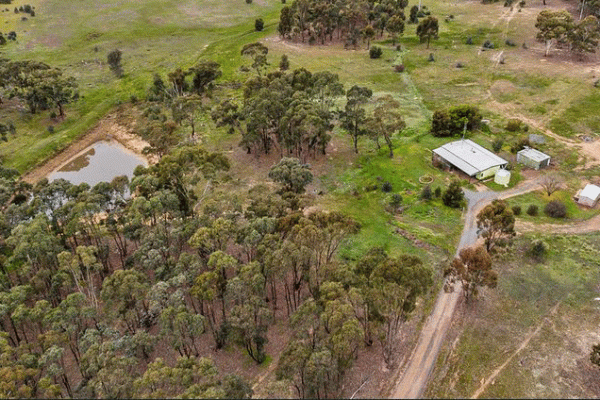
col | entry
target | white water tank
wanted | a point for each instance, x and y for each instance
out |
(502, 177)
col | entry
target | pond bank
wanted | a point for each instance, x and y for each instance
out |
(109, 128)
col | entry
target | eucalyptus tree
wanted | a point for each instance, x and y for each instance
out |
(553, 27)
(327, 336)
(250, 315)
(398, 283)
(473, 270)
(385, 121)
(181, 328)
(258, 53)
(124, 298)
(354, 116)
(291, 175)
(428, 29)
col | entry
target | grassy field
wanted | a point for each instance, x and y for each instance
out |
(539, 199)
(154, 36)
(554, 362)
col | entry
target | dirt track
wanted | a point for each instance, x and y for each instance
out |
(414, 377)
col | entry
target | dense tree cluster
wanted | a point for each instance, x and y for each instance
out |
(37, 84)
(178, 102)
(455, 121)
(288, 111)
(291, 112)
(371, 299)
(559, 28)
(92, 281)
(12, 35)
(321, 21)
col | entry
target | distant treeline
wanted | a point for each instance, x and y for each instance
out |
(320, 21)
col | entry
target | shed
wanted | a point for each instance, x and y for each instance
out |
(469, 157)
(589, 195)
(533, 158)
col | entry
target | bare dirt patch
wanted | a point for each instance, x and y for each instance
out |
(502, 87)
(111, 127)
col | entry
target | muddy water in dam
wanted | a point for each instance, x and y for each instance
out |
(100, 162)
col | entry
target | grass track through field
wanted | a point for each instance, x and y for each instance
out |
(523, 344)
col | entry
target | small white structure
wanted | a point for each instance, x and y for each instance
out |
(533, 158)
(502, 177)
(589, 195)
(469, 157)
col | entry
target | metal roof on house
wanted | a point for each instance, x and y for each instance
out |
(469, 157)
(533, 154)
(591, 192)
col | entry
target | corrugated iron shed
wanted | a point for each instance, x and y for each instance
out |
(533, 154)
(469, 157)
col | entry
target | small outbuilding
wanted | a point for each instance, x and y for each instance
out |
(589, 195)
(469, 157)
(533, 158)
(502, 177)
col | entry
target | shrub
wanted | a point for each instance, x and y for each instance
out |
(538, 250)
(431, 58)
(453, 196)
(556, 209)
(413, 19)
(514, 125)
(259, 24)
(375, 52)
(50, 129)
(396, 200)
(469, 40)
(497, 145)
(52, 114)
(488, 45)
(248, 1)
(114, 62)
(520, 145)
(386, 187)
(516, 210)
(284, 64)
(437, 192)
(532, 210)
(426, 193)
(510, 43)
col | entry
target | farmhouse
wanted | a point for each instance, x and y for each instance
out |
(533, 158)
(589, 195)
(469, 157)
